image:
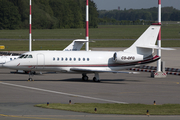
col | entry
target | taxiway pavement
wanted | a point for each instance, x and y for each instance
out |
(18, 95)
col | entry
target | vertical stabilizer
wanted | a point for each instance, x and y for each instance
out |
(76, 45)
(145, 43)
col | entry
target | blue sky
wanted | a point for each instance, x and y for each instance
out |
(134, 4)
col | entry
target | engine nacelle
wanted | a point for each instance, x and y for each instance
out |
(122, 57)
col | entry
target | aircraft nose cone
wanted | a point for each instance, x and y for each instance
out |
(7, 65)
(3, 65)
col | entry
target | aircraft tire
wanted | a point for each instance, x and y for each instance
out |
(30, 79)
(95, 79)
(85, 78)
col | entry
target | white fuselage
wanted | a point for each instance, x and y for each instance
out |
(63, 61)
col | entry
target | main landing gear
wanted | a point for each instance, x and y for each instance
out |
(95, 78)
(84, 77)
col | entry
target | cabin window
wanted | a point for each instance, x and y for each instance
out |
(10, 58)
(74, 59)
(70, 59)
(62, 59)
(83, 59)
(66, 59)
(53, 58)
(87, 59)
(57, 59)
(79, 59)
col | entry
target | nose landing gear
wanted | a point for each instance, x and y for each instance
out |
(31, 74)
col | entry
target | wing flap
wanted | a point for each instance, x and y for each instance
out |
(100, 71)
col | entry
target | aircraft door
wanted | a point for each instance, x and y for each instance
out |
(40, 61)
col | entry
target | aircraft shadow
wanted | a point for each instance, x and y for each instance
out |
(105, 81)
(102, 81)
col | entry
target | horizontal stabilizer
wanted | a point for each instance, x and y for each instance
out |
(156, 47)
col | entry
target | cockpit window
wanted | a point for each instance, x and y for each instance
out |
(30, 56)
(26, 56)
(21, 56)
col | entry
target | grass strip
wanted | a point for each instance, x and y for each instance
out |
(124, 109)
(19, 45)
(102, 32)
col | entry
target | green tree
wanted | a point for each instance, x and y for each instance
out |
(58, 7)
(168, 14)
(9, 15)
(93, 15)
(46, 14)
(44, 5)
(77, 20)
(175, 16)
(23, 8)
(42, 20)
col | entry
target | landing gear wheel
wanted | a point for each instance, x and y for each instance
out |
(30, 79)
(31, 75)
(95, 79)
(85, 78)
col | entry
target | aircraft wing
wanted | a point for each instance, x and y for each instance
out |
(100, 71)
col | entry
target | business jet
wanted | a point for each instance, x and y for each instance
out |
(92, 62)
